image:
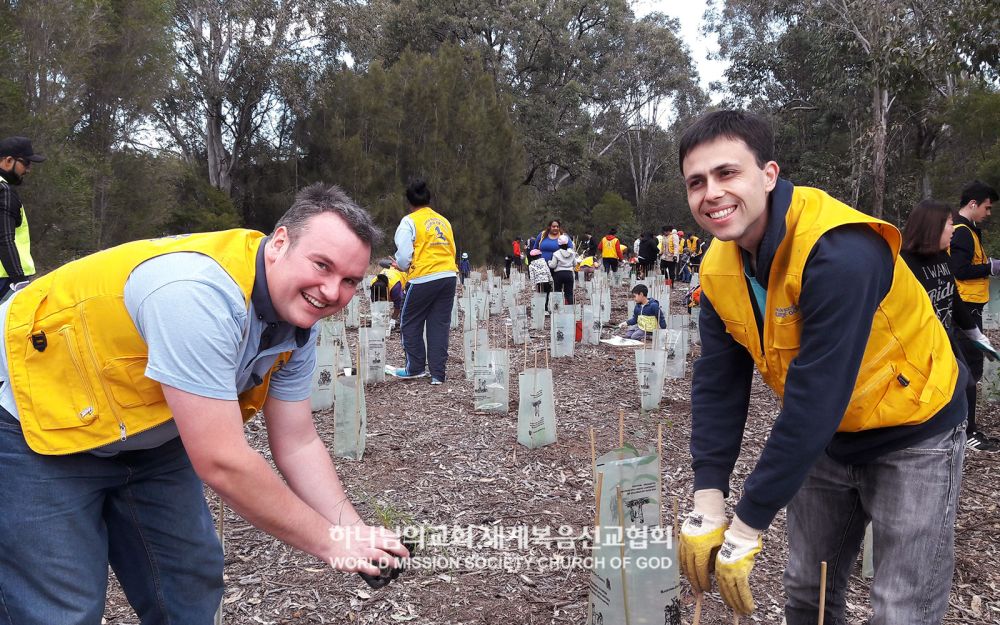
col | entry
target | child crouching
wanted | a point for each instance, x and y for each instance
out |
(645, 316)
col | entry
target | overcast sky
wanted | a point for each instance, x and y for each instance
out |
(690, 14)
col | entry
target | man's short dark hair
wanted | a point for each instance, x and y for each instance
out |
(640, 289)
(922, 232)
(753, 130)
(320, 198)
(978, 192)
(613, 231)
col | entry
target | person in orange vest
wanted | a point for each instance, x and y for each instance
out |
(872, 399)
(106, 454)
(425, 249)
(610, 249)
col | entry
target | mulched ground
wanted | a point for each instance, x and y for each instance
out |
(432, 458)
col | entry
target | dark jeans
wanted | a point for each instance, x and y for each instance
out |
(610, 264)
(63, 519)
(671, 266)
(564, 282)
(427, 303)
(974, 359)
(544, 287)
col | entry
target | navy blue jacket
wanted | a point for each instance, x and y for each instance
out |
(847, 275)
(651, 309)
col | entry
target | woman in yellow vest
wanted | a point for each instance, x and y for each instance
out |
(813, 294)
(425, 249)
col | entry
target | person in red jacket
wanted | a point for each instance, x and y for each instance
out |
(513, 259)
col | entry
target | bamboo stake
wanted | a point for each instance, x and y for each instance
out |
(621, 521)
(698, 600)
(822, 591)
(621, 427)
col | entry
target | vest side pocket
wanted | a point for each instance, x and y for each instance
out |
(62, 396)
(738, 331)
(862, 412)
(129, 386)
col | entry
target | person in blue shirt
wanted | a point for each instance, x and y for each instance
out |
(464, 269)
(547, 241)
(645, 315)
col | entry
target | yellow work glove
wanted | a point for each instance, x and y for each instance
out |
(733, 566)
(701, 537)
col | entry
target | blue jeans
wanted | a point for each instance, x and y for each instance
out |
(427, 303)
(635, 333)
(63, 519)
(910, 496)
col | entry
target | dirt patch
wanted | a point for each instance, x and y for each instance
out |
(430, 455)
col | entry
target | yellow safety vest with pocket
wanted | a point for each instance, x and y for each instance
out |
(76, 360)
(908, 372)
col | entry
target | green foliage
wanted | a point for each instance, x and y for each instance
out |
(614, 211)
(200, 207)
(436, 116)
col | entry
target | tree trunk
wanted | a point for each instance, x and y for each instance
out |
(218, 160)
(880, 110)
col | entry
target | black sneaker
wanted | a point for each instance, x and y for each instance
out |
(978, 441)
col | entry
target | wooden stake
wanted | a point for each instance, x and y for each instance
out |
(659, 470)
(621, 521)
(698, 600)
(593, 454)
(221, 528)
(621, 427)
(677, 528)
(359, 384)
(822, 591)
(597, 495)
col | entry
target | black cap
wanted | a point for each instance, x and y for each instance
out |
(19, 147)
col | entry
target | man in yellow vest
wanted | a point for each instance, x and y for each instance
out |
(16, 264)
(425, 249)
(872, 397)
(972, 269)
(126, 378)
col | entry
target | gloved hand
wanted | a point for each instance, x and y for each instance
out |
(623, 325)
(982, 342)
(995, 266)
(734, 563)
(701, 537)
